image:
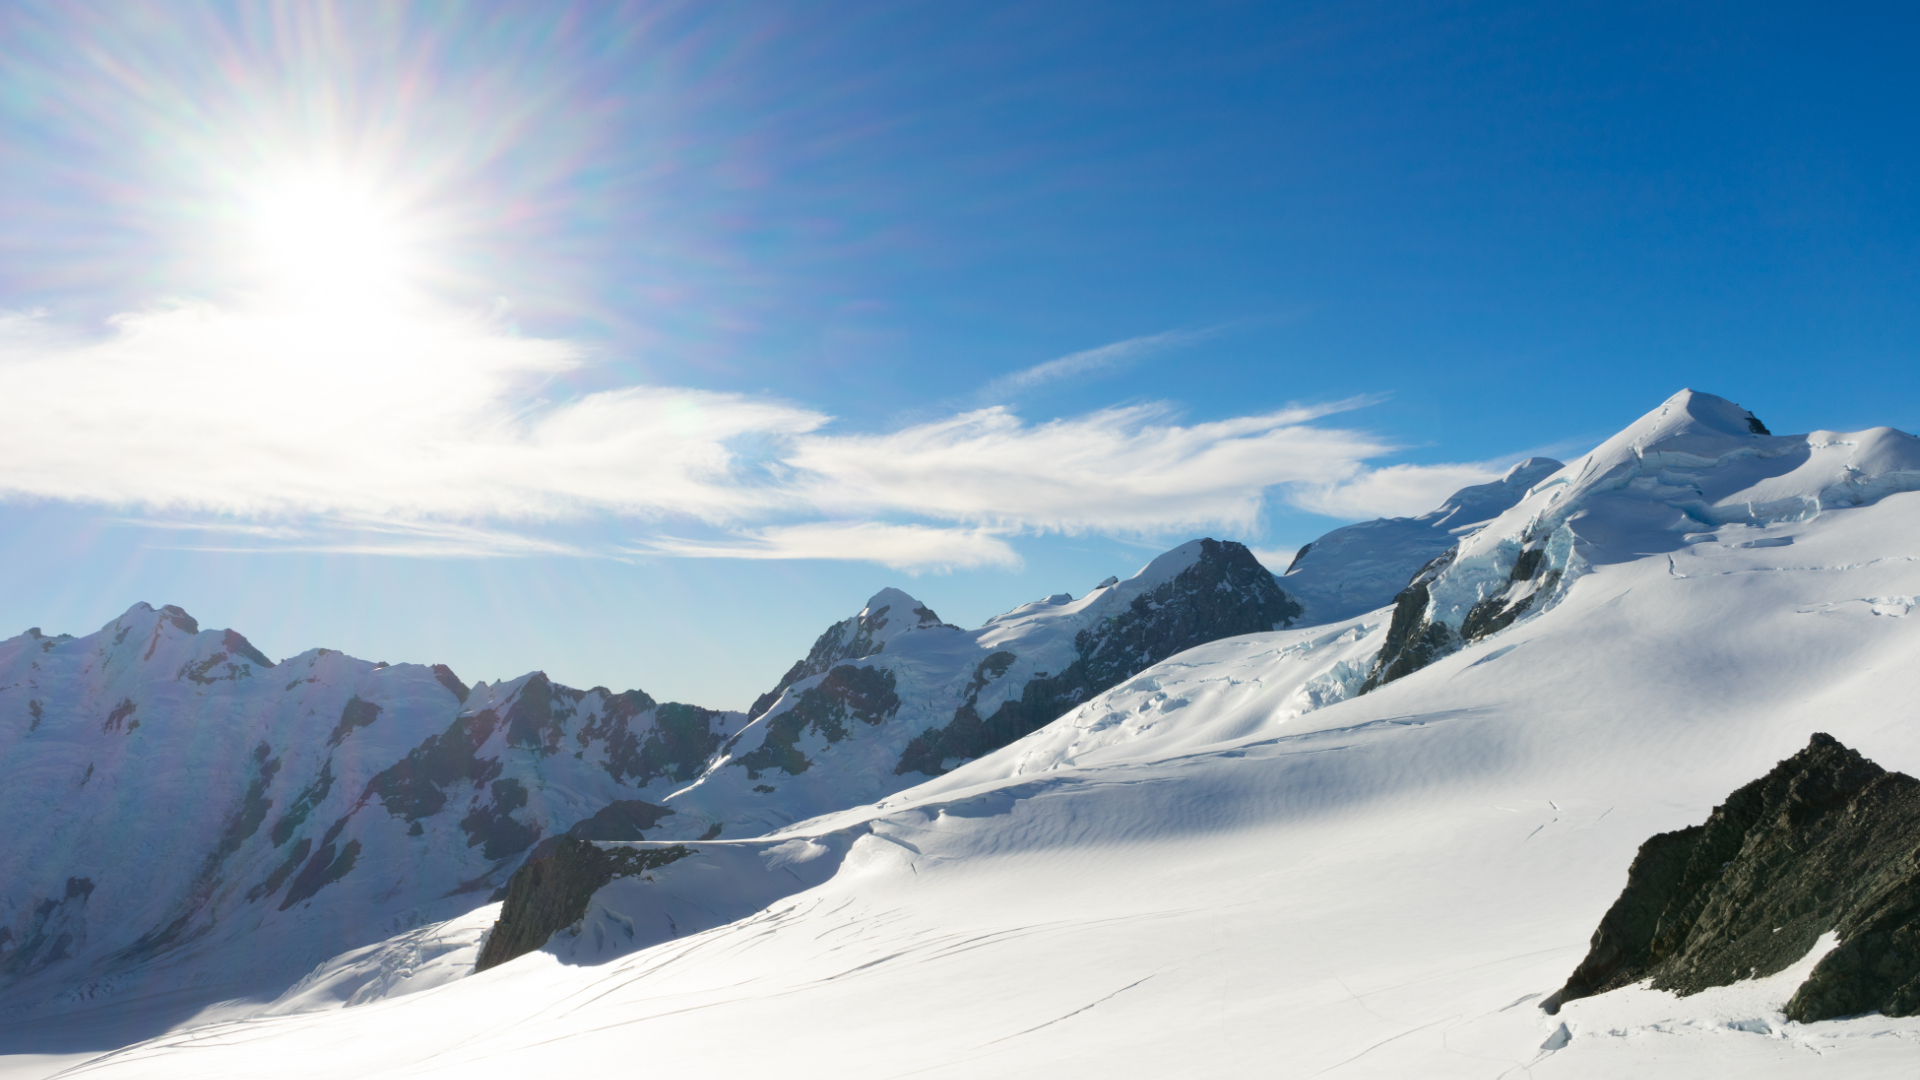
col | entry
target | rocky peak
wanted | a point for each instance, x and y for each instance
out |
(890, 613)
(886, 616)
(1201, 591)
(1824, 842)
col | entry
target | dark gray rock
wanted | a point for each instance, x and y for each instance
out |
(847, 693)
(848, 639)
(1412, 642)
(1826, 841)
(551, 894)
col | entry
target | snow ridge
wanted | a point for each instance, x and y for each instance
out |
(1681, 475)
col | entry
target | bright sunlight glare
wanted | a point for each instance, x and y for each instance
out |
(321, 236)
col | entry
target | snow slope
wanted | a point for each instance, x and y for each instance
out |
(1255, 882)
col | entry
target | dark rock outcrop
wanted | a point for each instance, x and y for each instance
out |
(551, 894)
(848, 639)
(1827, 841)
(1224, 593)
(847, 693)
(1412, 642)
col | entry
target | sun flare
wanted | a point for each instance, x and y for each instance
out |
(323, 236)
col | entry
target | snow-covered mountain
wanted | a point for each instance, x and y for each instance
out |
(893, 695)
(1365, 847)
(187, 812)
(193, 814)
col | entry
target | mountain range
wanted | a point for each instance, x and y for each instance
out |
(1358, 818)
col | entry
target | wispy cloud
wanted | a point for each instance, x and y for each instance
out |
(410, 416)
(1089, 361)
(426, 433)
(902, 547)
(1395, 490)
(397, 538)
(1134, 468)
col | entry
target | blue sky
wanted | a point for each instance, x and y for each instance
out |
(636, 343)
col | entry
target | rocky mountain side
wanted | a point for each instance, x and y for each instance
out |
(551, 893)
(176, 793)
(1827, 841)
(894, 695)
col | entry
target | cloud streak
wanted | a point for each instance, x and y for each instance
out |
(1088, 361)
(902, 547)
(427, 432)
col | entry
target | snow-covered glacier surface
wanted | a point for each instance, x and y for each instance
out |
(1236, 863)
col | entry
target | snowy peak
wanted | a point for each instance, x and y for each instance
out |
(1696, 475)
(1691, 413)
(890, 613)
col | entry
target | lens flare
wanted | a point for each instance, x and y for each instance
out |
(320, 235)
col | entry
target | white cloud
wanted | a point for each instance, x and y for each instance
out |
(408, 415)
(902, 547)
(426, 432)
(1396, 490)
(1130, 469)
(1089, 360)
(412, 539)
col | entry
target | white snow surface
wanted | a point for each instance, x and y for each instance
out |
(1230, 865)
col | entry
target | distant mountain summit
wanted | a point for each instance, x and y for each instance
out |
(214, 804)
(894, 695)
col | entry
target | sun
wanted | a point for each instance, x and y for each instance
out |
(322, 236)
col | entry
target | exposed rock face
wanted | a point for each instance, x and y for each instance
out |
(857, 638)
(1415, 640)
(847, 693)
(552, 893)
(1826, 841)
(1225, 592)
